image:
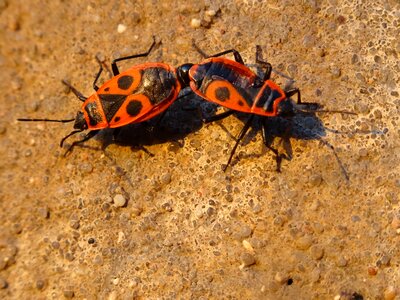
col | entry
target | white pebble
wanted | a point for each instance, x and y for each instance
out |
(195, 23)
(121, 28)
(119, 200)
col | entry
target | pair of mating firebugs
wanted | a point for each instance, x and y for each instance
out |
(146, 90)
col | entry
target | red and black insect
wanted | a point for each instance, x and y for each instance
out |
(133, 96)
(233, 85)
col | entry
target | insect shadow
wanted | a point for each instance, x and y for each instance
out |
(178, 121)
(301, 126)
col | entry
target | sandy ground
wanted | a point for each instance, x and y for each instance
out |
(110, 221)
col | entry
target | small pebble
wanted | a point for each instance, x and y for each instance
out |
(317, 252)
(74, 224)
(315, 180)
(335, 71)
(363, 152)
(40, 284)
(247, 260)
(304, 242)
(69, 294)
(384, 261)
(43, 212)
(69, 256)
(91, 241)
(166, 178)
(342, 262)
(195, 23)
(210, 12)
(16, 84)
(136, 210)
(372, 271)
(17, 228)
(55, 245)
(98, 260)
(281, 278)
(3, 128)
(85, 168)
(135, 17)
(308, 41)
(315, 275)
(245, 231)
(119, 200)
(248, 246)
(3, 283)
(121, 28)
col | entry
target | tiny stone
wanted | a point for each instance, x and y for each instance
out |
(119, 200)
(396, 223)
(315, 180)
(91, 241)
(304, 242)
(281, 278)
(17, 228)
(247, 259)
(167, 207)
(308, 41)
(135, 17)
(210, 12)
(69, 256)
(355, 218)
(85, 168)
(166, 178)
(385, 260)
(342, 262)
(44, 212)
(3, 128)
(317, 252)
(69, 294)
(336, 72)
(74, 224)
(40, 284)
(292, 69)
(98, 260)
(55, 245)
(195, 23)
(16, 84)
(372, 271)
(247, 246)
(136, 210)
(315, 275)
(363, 152)
(3, 283)
(245, 231)
(121, 28)
(278, 221)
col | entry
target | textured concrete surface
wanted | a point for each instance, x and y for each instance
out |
(117, 223)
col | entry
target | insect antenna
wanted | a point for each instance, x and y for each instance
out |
(44, 120)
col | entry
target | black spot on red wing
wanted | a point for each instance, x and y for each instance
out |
(111, 104)
(124, 82)
(222, 93)
(240, 103)
(134, 107)
(117, 119)
(107, 89)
